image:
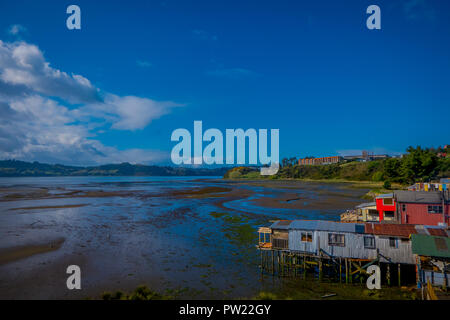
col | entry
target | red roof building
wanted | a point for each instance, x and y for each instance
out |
(403, 230)
(319, 161)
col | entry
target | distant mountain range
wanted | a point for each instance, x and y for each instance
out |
(15, 168)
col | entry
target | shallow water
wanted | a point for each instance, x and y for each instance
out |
(127, 231)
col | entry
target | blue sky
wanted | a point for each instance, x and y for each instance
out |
(309, 68)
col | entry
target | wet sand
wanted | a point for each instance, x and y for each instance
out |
(197, 235)
(12, 254)
(51, 207)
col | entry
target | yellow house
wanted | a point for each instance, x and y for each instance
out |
(367, 212)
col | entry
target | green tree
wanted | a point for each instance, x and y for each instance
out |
(419, 165)
(377, 176)
(392, 168)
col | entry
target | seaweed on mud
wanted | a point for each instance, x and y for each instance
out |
(140, 293)
(300, 289)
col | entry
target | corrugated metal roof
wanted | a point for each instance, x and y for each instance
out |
(437, 232)
(383, 229)
(403, 230)
(281, 224)
(368, 204)
(420, 196)
(430, 246)
(386, 229)
(284, 222)
(421, 229)
(320, 225)
(387, 195)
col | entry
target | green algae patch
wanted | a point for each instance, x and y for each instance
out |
(315, 290)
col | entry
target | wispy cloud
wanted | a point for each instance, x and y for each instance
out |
(39, 121)
(419, 9)
(143, 64)
(16, 29)
(203, 35)
(232, 73)
(126, 113)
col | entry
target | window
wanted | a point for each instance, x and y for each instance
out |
(434, 209)
(393, 242)
(403, 207)
(389, 214)
(373, 215)
(306, 236)
(388, 201)
(280, 244)
(335, 239)
(369, 242)
(280, 239)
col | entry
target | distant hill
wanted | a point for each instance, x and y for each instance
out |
(15, 168)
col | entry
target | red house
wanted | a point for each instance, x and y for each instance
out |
(386, 207)
(415, 207)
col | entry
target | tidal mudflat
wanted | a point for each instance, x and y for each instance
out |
(189, 236)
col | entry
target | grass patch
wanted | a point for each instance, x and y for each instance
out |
(140, 293)
(217, 214)
(314, 290)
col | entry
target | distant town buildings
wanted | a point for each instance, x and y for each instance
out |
(364, 156)
(319, 161)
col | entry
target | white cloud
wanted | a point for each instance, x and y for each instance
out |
(15, 29)
(24, 64)
(125, 113)
(36, 123)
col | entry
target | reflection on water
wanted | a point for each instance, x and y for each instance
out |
(195, 234)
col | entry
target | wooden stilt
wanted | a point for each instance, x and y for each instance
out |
(304, 266)
(350, 271)
(273, 264)
(320, 268)
(444, 283)
(262, 262)
(388, 274)
(278, 263)
(418, 272)
(295, 265)
(291, 264)
(360, 274)
(346, 270)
